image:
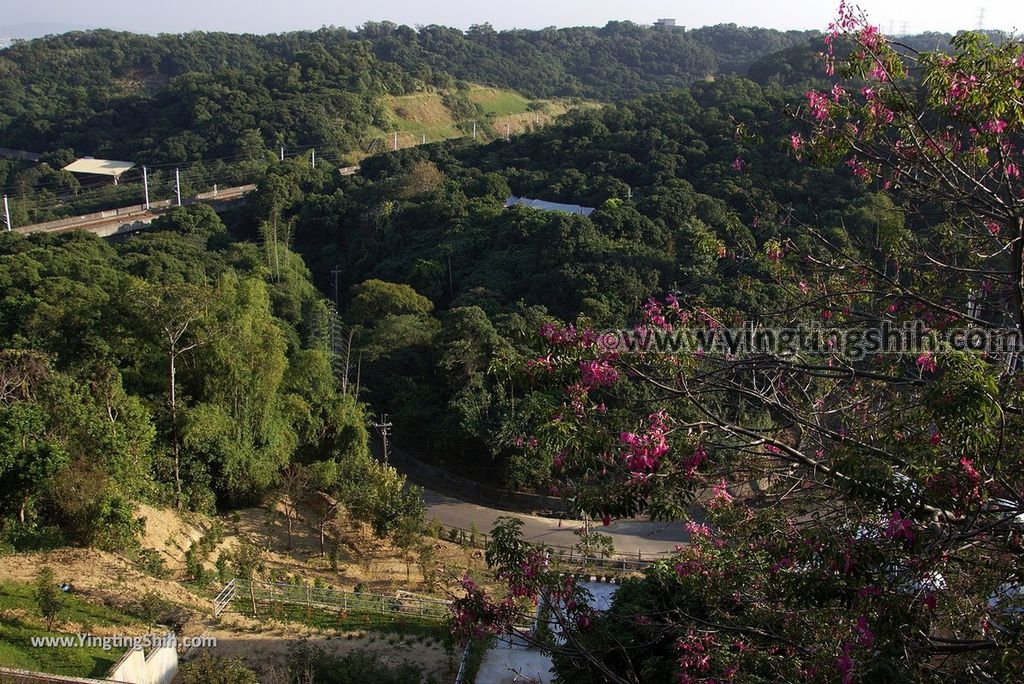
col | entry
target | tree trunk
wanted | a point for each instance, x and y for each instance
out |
(289, 516)
(175, 448)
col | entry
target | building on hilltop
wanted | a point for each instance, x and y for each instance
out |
(665, 23)
(514, 201)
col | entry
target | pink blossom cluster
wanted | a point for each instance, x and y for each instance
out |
(720, 496)
(880, 113)
(655, 314)
(568, 336)
(695, 460)
(900, 528)
(926, 362)
(960, 87)
(598, 373)
(644, 451)
(694, 655)
(818, 104)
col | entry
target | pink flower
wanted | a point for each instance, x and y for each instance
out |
(859, 170)
(969, 470)
(879, 73)
(868, 93)
(826, 314)
(936, 438)
(994, 126)
(737, 164)
(696, 460)
(643, 452)
(1011, 170)
(598, 374)
(720, 495)
(870, 37)
(900, 527)
(837, 93)
(926, 363)
(698, 530)
(796, 142)
(880, 113)
(818, 104)
(993, 227)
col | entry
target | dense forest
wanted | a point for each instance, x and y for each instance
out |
(692, 190)
(175, 368)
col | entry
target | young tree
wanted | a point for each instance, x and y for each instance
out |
(49, 597)
(295, 482)
(173, 313)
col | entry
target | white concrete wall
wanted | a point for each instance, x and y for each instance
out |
(159, 667)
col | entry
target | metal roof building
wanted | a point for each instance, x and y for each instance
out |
(514, 201)
(99, 167)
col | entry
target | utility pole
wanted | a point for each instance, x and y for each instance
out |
(335, 272)
(474, 130)
(177, 185)
(145, 185)
(508, 131)
(385, 431)
(981, 19)
(7, 214)
(424, 141)
(281, 153)
(396, 141)
(312, 159)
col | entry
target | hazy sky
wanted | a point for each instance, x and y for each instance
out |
(265, 16)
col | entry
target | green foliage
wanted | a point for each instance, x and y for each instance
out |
(357, 666)
(208, 669)
(49, 597)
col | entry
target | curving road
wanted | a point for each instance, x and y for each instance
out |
(630, 536)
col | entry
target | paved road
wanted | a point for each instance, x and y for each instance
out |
(629, 536)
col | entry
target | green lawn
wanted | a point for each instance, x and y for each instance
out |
(499, 102)
(20, 623)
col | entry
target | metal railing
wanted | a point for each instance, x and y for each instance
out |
(225, 597)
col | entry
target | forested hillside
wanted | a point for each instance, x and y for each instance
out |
(692, 190)
(181, 368)
(178, 98)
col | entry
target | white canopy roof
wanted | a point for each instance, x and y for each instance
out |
(101, 167)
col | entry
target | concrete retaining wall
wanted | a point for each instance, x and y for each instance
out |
(135, 667)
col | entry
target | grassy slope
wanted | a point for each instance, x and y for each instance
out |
(19, 622)
(425, 114)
